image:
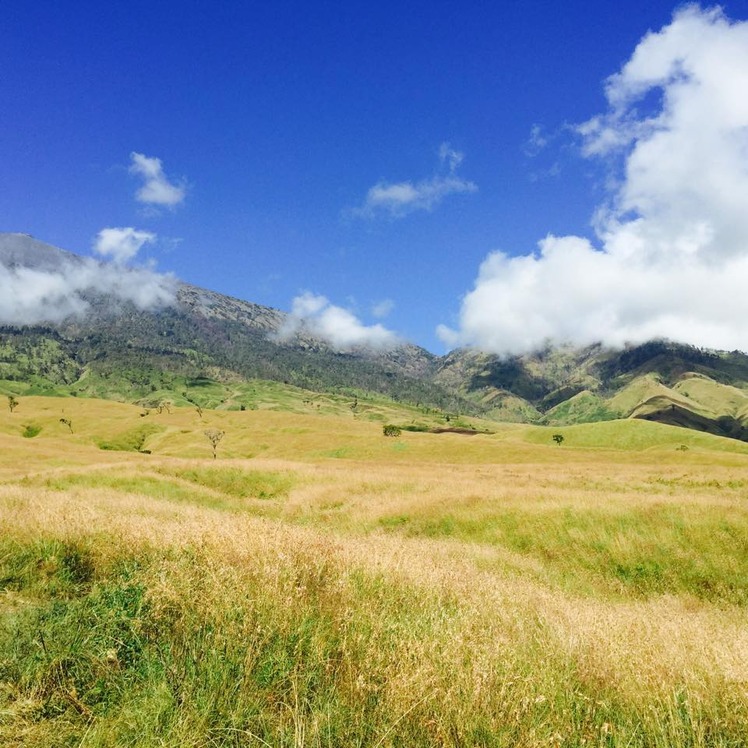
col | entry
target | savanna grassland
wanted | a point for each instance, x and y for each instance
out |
(319, 584)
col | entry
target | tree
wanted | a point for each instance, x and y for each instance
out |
(67, 422)
(214, 436)
(12, 403)
(559, 439)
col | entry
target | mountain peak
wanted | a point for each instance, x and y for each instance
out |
(23, 250)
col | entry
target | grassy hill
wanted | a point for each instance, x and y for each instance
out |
(675, 384)
(322, 584)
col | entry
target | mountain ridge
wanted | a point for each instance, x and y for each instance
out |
(202, 334)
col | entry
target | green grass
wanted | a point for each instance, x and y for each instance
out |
(133, 440)
(631, 435)
(30, 430)
(431, 590)
(240, 484)
(642, 552)
(584, 407)
(210, 487)
(148, 647)
(144, 484)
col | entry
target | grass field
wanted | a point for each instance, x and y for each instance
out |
(319, 584)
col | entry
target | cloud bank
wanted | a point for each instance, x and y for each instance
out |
(671, 252)
(156, 189)
(33, 295)
(399, 199)
(340, 328)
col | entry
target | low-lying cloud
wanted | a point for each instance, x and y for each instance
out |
(671, 252)
(399, 199)
(337, 326)
(32, 295)
(156, 188)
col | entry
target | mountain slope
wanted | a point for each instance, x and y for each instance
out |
(659, 381)
(136, 336)
(115, 343)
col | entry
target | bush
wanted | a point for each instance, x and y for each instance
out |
(30, 430)
(390, 429)
(130, 441)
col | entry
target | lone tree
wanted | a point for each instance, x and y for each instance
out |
(67, 422)
(214, 436)
(559, 439)
(12, 403)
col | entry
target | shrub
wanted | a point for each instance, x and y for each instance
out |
(390, 429)
(30, 430)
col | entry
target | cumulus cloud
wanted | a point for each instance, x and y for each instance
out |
(339, 327)
(670, 257)
(156, 189)
(121, 244)
(399, 199)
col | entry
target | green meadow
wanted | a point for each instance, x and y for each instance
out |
(321, 584)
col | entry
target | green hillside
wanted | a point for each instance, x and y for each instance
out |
(216, 352)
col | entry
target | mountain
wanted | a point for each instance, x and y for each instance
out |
(658, 381)
(71, 325)
(92, 330)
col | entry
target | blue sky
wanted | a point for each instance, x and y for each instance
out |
(274, 123)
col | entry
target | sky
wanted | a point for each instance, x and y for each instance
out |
(499, 175)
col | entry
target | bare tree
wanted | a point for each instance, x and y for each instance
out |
(67, 422)
(12, 403)
(214, 436)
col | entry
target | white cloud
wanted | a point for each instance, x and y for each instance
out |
(537, 141)
(383, 308)
(30, 296)
(450, 157)
(402, 198)
(671, 256)
(156, 189)
(121, 244)
(339, 327)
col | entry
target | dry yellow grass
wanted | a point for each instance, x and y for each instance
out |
(482, 586)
